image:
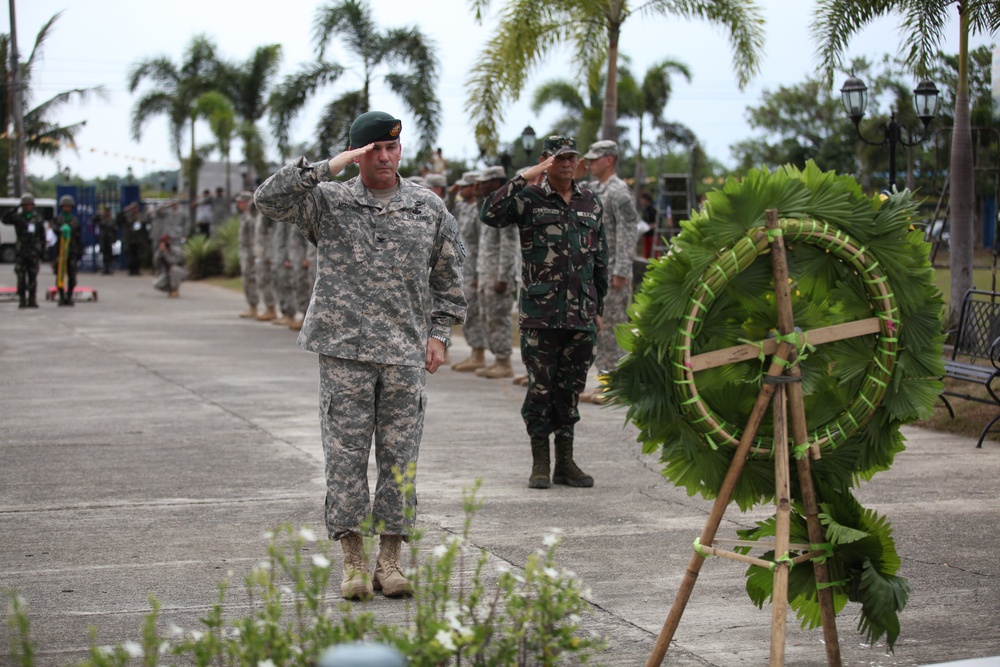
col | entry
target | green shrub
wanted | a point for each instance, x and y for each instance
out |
(227, 240)
(201, 257)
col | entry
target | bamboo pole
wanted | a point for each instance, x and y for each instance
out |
(718, 508)
(783, 517)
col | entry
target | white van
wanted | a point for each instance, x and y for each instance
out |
(45, 208)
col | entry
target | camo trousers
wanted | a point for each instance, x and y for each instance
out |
(615, 312)
(557, 361)
(359, 400)
(496, 315)
(473, 328)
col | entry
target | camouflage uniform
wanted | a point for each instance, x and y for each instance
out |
(620, 227)
(262, 240)
(564, 270)
(302, 254)
(497, 262)
(29, 247)
(467, 215)
(248, 264)
(387, 279)
(74, 256)
(281, 265)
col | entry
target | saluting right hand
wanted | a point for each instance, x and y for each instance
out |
(537, 170)
(338, 162)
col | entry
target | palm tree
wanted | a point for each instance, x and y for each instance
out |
(247, 86)
(529, 29)
(923, 23)
(176, 98)
(218, 111)
(655, 92)
(42, 136)
(407, 55)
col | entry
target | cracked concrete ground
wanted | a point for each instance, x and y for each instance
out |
(148, 443)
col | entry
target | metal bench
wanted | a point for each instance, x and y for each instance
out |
(977, 340)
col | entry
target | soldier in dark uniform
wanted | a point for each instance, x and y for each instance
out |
(136, 237)
(108, 236)
(564, 268)
(71, 234)
(28, 249)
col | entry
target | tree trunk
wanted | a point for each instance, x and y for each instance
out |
(640, 172)
(962, 189)
(192, 181)
(609, 116)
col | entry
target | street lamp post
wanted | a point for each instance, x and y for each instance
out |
(528, 141)
(854, 95)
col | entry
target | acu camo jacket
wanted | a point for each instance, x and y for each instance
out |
(620, 224)
(564, 253)
(385, 278)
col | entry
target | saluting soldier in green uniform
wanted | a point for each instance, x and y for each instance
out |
(29, 246)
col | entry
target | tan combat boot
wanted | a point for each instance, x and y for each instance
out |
(475, 361)
(174, 294)
(296, 323)
(251, 311)
(267, 315)
(282, 321)
(566, 471)
(520, 380)
(501, 369)
(389, 576)
(356, 585)
(539, 464)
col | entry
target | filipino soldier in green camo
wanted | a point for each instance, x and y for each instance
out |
(71, 234)
(29, 248)
(496, 269)
(281, 262)
(467, 214)
(245, 237)
(388, 292)
(621, 227)
(564, 271)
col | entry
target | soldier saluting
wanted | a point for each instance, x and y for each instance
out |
(29, 247)
(388, 291)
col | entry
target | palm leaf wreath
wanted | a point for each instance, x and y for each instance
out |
(851, 258)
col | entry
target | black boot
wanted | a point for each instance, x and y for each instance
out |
(566, 470)
(62, 297)
(539, 464)
(32, 301)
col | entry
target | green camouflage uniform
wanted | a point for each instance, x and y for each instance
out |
(387, 278)
(564, 270)
(29, 248)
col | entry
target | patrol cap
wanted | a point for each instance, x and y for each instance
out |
(244, 195)
(559, 145)
(468, 178)
(27, 198)
(491, 174)
(435, 181)
(601, 149)
(419, 180)
(67, 200)
(374, 126)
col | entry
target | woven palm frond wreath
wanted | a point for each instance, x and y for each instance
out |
(851, 258)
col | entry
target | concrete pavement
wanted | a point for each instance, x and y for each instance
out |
(147, 443)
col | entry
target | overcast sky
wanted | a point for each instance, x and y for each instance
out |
(95, 41)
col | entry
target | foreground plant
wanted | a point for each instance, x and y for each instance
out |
(524, 617)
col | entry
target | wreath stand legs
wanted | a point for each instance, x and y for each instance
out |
(783, 391)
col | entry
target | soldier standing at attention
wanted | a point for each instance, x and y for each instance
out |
(248, 269)
(71, 248)
(621, 227)
(495, 273)
(281, 263)
(29, 247)
(388, 292)
(467, 214)
(136, 237)
(564, 269)
(263, 240)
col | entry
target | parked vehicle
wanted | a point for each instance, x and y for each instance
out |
(46, 208)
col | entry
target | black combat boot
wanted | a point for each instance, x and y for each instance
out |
(566, 470)
(21, 300)
(539, 464)
(32, 301)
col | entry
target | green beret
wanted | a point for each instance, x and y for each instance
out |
(374, 126)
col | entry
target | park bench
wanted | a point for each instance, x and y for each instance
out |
(977, 340)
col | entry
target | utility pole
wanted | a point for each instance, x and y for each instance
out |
(15, 107)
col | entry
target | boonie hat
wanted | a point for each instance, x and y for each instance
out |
(492, 173)
(244, 195)
(435, 181)
(374, 126)
(601, 149)
(558, 145)
(468, 178)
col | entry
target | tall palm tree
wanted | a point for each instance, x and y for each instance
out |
(655, 91)
(922, 30)
(529, 29)
(42, 135)
(248, 85)
(179, 87)
(216, 108)
(407, 56)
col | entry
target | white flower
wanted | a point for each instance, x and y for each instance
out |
(287, 590)
(550, 540)
(551, 573)
(175, 630)
(268, 535)
(163, 648)
(134, 649)
(264, 565)
(307, 534)
(321, 561)
(266, 663)
(503, 568)
(106, 650)
(573, 618)
(443, 637)
(197, 635)
(440, 550)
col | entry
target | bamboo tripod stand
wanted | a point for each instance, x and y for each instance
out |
(782, 389)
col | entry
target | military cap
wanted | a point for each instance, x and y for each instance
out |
(244, 195)
(435, 181)
(492, 173)
(419, 180)
(374, 126)
(468, 178)
(601, 149)
(67, 200)
(557, 145)
(27, 198)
